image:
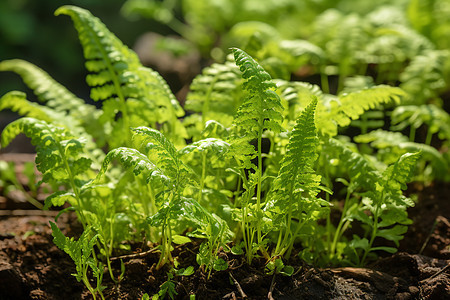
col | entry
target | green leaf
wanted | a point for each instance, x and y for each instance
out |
(387, 249)
(287, 271)
(357, 242)
(58, 237)
(393, 234)
(296, 180)
(237, 250)
(185, 272)
(48, 91)
(180, 239)
(348, 107)
(220, 264)
(52, 142)
(169, 159)
(58, 199)
(135, 161)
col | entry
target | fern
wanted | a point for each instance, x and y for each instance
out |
(17, 102)
(260, 111)
(296, 94)
(436, 119)
(215, 93)
(81, 252)
(348, 107)
(388, 205)
(392, 144)
(207, 157)
(383, 206)
(296, 186)
(60, 156)
(119, 80)
(168, 159)
(135, 161)
(212, 228)
(334, 112)
(168, 156)
(48, 90)
(425, 76)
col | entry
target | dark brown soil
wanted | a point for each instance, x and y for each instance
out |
(32, 267)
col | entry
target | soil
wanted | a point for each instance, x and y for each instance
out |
(32, 267)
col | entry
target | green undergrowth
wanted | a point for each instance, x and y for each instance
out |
(253, 162)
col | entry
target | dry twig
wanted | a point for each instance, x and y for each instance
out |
(238, 286)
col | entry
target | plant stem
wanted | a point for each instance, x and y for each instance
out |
(412, 133)
(324, 81)
(338, 232)
(429, 137)
(202, 179)
(374, 228)
(258, 192)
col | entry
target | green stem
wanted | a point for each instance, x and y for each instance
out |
(412, 133)
(86, 281)
(372, 237)
(290, 246)
(258, 192)
(429, 137)
(324, 81)
(30, 199)
(338, 232)
(202, 179)
(206, 102)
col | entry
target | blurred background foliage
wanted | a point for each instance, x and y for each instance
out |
(30, 31)
(328, 42)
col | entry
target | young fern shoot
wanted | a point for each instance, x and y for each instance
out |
(60, 156)
(169, 202)
(293, 197)
(260, 111)
(382, 208)
(81, 252)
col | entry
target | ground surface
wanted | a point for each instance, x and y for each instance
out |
(32, 267)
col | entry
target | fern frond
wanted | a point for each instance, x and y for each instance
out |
(348, 107)
(297, 94)
(401, 172)
(209, 153)
(425, 75)
(296, 178)
(60, 156)
(390, 141)
(169, 158)
(79, 250)
(332, 111)
(47, 90)
(295, 188)
(217, 90)
(17, 102)
(437, 119)
(108, 60)
(216, 146)
(116, 76)
(132, 159)
(361, 171)
(261, 109)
